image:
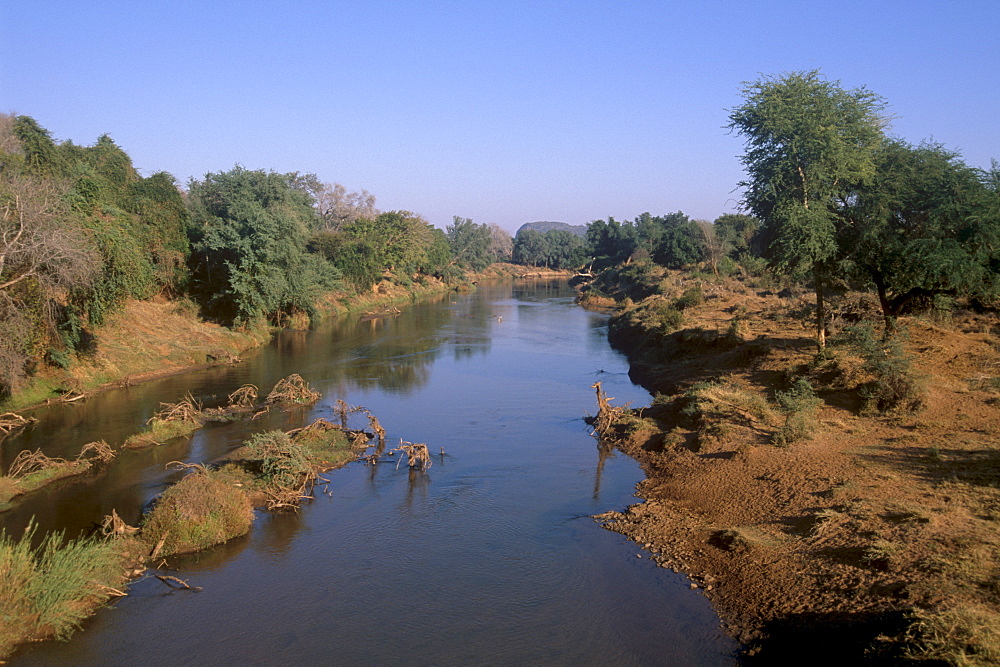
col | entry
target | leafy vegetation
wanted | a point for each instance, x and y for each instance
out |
(201, 510)
(47, 590)
(82, 232)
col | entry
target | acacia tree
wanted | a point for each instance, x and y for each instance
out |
(921, 227)
(809, 141)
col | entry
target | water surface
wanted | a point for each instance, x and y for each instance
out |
(489, 557)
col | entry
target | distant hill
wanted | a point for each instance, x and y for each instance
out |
(579, 230)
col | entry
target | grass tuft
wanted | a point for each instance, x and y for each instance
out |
(200, 511)
(46, 591)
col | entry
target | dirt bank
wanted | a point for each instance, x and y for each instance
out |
(865, 536)
(150, 339)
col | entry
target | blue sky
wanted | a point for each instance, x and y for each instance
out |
(504, 112)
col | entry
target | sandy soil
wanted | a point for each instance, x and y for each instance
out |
(876, 539)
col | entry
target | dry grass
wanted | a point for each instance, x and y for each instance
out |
(967, 635)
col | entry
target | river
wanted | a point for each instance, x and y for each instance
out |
(488, 557)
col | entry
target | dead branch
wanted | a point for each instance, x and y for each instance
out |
(244, 397)
(98, 450)
(377, 427)
(113, 592)
(343, 409)
(321, 425)
(180, 465)
(417, 455)
(187, 410)
(27, 462)
(292, 389)
(179, 584)
(114, 525)
(607, 414)
(159, 545)
(10, 422)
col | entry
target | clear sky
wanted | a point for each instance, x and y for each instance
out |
(501, 111)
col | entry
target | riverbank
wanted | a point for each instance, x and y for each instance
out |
(50, 587)
(818, 528)
(158, 337)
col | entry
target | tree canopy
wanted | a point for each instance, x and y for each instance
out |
(808, 142)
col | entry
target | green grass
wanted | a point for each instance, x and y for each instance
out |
(160, 431)
(11, 488)
(46, 591)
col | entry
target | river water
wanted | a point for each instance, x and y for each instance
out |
(488, 557)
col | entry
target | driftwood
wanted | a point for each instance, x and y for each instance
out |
(607, 414)
(98, 450)
(10, 422)
(187, 410)
(114, 525)
(377, 428)
(292, 389)
(159, 546)
(176, 583)
(244, 397)
(417, 455)
(27, 462)
(180, 465)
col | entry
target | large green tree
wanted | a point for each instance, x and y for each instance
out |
(470, 243)
(922, 226)
(249, 231)
(680, 241)
(809, 141)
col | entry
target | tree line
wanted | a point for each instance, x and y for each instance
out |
(81, 231)
(832, 200)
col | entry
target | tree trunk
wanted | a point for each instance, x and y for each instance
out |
(887, 312)
(820, 311)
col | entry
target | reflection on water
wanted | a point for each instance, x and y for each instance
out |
(487, 558)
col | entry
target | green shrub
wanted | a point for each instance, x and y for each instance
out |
(198, 512)
(894, 386)
(282, 461)
(799, 404)
(691, 297)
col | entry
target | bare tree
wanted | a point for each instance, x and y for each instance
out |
(338, 207)
(715, 247)
(38, 247)
(36, 242)
(501, 243)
